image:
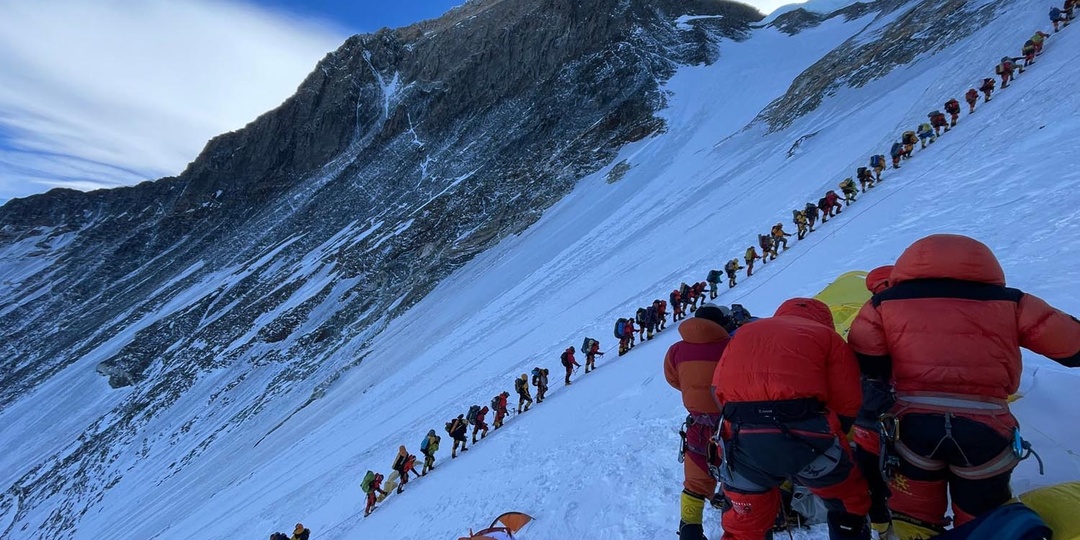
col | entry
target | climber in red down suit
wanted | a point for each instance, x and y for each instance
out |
(789, 391)
(947, 335)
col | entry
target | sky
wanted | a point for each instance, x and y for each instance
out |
(114, 92)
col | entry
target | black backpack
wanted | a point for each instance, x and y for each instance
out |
(450, 427)
(619, 326)
(713, 277)
(519, 385)
(495, 403)
(642, 315)
(586, 345)
(563, 358)
(471, 417)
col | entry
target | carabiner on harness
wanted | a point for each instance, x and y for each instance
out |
(1022, 450)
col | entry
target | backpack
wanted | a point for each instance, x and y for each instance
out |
(369, 479)
(562, 357)
(713, 277)
(663, 306)
(471, 416)
(642, 315)
(619, 326)
(586, 345)
(519, 385)
(877, 161)
(495, 403)
(739, 314)
(424, 445)
(862, 172)
(952, 106)
(1012, 521)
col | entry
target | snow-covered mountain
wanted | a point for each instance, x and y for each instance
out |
(273, 321)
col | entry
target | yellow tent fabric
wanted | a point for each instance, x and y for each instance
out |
(845, 297)
(1058, 506)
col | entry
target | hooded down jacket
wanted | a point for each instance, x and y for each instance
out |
(689, 364)
(948, 323)
(794, 354)
(878, 279)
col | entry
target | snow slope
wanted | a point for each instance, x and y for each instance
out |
(598, 460)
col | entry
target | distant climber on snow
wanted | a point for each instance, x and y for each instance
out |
(428, 447)
(910, 139)
(1057, 17)
(661, 314)
(987, 89)
(652, 320)
(811, 213)
(698, 292)
(971, 97)
(1037, 39)
(897, 152)
(592, 348)
(788, 387)
(799, 219)
(641, 316)
(676, 305)
(1028, 52)
(847, 186)
(713, 278)
(930, 334)
(937, 119)
(866, 179)
(540, 381)
(779, 237)
(458, 429)
(403, 464)
(953, 108)
(768, 248)
(751, 256)
(521, 386)
(688, 367)
(1005, 69)
(878, 164)
(569, 363)
(499, 404)
(372, 485)
(832, 203)
(477, 420)
(731, 268)
(301, 532)
(926, 133)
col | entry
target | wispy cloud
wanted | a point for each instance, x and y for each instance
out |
(114, 92)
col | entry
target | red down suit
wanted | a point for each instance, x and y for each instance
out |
(789, 388)
(947, 334)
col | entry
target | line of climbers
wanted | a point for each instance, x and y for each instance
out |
(457, 428)
(834, 484)
(883, 428)
(829, 205)
(926, 419)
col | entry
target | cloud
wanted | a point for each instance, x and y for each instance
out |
(114, 92)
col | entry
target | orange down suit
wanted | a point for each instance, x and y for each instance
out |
(688, 367)
(947, 334)
(789, 388)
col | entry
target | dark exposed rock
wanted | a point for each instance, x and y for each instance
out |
(921, 28)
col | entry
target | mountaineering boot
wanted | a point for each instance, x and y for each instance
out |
(845, 526)
(691, 531)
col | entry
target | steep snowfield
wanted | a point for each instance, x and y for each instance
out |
(598, 460)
